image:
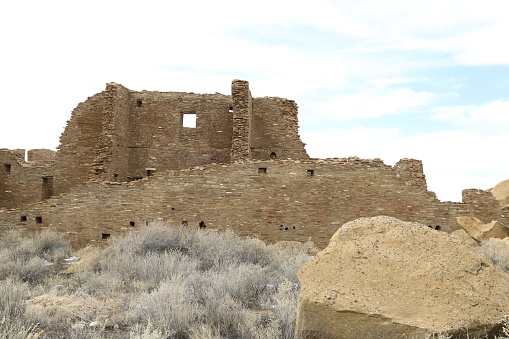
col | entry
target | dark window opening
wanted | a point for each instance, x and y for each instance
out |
(438, 227)
(286, 228)
(310, 172)
(262, 170)
(150, 172)
(273, 155)
(23, 218)
(132, 223)
(183, 223)
(38, 220)
(173, 208)
(139, 102)
(188, 119)
(202, 225)
(47, 187)
(115, 176)
(105, 236)
(7, 168)
(230, 110)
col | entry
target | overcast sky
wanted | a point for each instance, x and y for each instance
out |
(385, 79)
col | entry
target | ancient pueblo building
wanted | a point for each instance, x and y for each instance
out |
(229, 161)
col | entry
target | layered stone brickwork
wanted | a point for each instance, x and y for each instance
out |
(23, 183)
(274, 199)
(126, 157)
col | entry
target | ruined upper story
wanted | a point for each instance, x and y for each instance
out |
(23, 182)
(122, 135)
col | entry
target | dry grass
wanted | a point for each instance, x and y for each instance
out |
(157, 282)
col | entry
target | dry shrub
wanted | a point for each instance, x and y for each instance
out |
(31, 258)
(497, 250)
(13, 294)
(161, 282)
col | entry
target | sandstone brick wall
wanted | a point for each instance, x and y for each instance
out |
(77, 150)
(275, 130)
(275, 200)
(23, 183)
(242, 120)
(122, 135)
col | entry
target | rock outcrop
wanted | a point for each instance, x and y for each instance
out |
(481, 231)
(382, 277)
(465, 238)
(501, 192)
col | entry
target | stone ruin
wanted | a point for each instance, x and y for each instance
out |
(227, 161)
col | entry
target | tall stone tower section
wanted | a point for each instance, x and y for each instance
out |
(242, 118)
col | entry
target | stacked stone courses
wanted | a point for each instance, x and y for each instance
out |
(125, 158)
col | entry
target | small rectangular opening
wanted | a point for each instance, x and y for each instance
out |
(230, 110)
(150, 171)
(132, 223)
(139, 102)
(23, 218)
(7, 168)
(188, 120)
(105, 236)
(38, 220)
(262, 170)
(310, 172)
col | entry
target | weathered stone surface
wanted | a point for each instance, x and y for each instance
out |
(481, 231)
(384, 277)
(465, 238)
(501, 192)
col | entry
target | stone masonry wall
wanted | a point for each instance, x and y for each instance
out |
(275, 129)
(242, 120)
(123, 135)
(275, 200)
(77, 150)
(23, 183)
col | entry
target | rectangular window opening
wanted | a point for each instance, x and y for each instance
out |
(189, 120)
(132, 223)
(310, 172)
(139, 102)
(23, 218)
(230, 110)
(150, 171)
(7, 168)
(262, 170)
(105, 236)
(38, 220)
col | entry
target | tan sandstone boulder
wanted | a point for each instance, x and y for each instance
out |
(382, 277)
(501, 192)
(481, 231)
(465, 238)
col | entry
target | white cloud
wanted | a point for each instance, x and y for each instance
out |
(375, 103)
(493, 115)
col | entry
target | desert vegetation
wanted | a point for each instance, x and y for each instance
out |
(155, 282)
(158, 281)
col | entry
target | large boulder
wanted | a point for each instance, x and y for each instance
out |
(382, 277)
(501, 192)
(481, 231)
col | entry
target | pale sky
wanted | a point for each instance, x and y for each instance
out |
(385, 79)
